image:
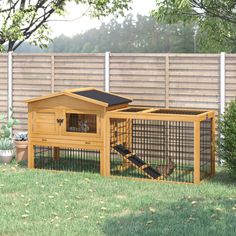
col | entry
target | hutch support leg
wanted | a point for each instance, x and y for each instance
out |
(213, 160)
(56, 153)
(105, 150)
(105, 161)
(31, 156)
(196, 152)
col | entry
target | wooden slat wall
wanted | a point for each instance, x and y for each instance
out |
(78, 70)
(31, 78)
(230, 77)
(139, 76)
(3, 83)
(172, 80)
(194, 81)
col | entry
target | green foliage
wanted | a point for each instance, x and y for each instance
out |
(21, 20)
(135, 34)
(22, 136)
(227, 141)
(6, 142)
(216, 20)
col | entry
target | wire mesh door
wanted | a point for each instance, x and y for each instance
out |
(161, 149)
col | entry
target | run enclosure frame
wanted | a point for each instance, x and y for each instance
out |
(146, 113)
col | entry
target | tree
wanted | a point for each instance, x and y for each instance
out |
(226, 142)
(215, 20)
(21, 20)
(135, 34)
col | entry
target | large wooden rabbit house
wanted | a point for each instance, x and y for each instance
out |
(91, 130)
(70, 119)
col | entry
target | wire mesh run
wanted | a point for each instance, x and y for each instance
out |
(160, 149)
(176, 112)
(67, 159)
(205, 148)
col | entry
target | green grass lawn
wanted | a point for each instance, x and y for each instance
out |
(39, 202)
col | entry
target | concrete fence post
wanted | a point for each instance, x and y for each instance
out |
(107, 72)
(52, 74)
(222, 83)
(222, 91)
(9, 85)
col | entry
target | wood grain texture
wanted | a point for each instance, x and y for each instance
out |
(190, 81)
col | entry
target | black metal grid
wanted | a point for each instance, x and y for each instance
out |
(133, 109)
(177, 112)
(159, 144)
(206, 148)
(69, 159)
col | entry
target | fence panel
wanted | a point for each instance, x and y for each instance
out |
(139, 76)
(194, 81)
(78, 70)
(230, 77)
(173, 80)
(3, 83)
(31, 78)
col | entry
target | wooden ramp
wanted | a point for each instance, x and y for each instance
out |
(137, 162)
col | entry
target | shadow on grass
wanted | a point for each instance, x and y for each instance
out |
(223, 177)
(23, 164)
(68, 164)
(185, 217)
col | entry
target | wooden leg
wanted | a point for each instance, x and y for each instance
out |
(56, 153)
(30, 156)
(105, 151)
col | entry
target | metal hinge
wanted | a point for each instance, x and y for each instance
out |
(60, 121)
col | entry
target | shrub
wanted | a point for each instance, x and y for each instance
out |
(227, 140)
(6, 142)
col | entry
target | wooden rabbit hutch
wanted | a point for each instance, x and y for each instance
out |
(91, 130)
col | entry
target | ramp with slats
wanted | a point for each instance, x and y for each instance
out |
(137, 162)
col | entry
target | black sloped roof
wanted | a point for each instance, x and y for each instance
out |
(108, 98)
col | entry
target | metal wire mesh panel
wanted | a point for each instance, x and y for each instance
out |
(205, 148)
(152, 149)
(68, 159)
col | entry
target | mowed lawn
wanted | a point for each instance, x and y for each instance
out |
(39, 202)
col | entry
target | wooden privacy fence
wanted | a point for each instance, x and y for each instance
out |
(162, 80)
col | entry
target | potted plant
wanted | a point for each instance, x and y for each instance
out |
(6, 142)
(21, 144)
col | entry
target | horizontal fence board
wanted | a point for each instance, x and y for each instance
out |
(176, 80)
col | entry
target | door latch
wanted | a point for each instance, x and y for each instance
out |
(60, 121)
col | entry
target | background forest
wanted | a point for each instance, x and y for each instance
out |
(134, 34)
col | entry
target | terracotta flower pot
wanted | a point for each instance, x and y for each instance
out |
(6, 156)
(21, 150)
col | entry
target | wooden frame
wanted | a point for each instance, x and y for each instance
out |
(82, 112)
(101, 140)
(195, 119)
